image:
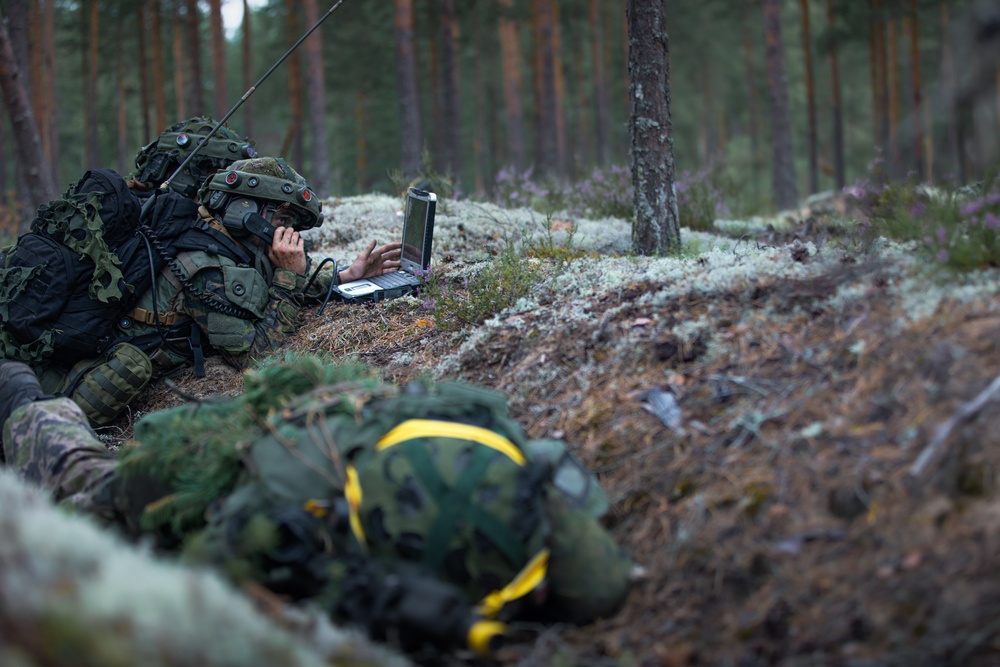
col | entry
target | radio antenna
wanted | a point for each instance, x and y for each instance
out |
(246, 95)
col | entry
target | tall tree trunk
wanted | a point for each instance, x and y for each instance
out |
(411, 140)
(248, 70)
(19, 31)
(40, 187)
(140, 17)
(479, 140)
(293, 137)
(450, 90)
(785, 190)
(122, 114)
(438, 148)
(919, 162)
(159, 84)
(877, 47)
(360, 142)
(546, 142)
(180, 63)
(836, 110)
(219, 82)
(752, 97)
(656, 229)
(510, 57)
(194, 53)
(50, 85)
(319, 175)
(91, 68)
(602, 117)
(893, 94)
(39, 91)
(812, 136)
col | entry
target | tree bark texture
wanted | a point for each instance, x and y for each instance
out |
(785, 190)
(219, 81)
(546, 140)
(17, 20)
(411, 139)
(247, 61)
(892, 86)
(812, 135)
(560, 97)
(916, 100)
(40, 187)
(319, 173)
(450, 91)
(836, 106)
(510, 57)
(39, 91)
(193, 24)
(656, 229)
(159, 85)
(602, 113)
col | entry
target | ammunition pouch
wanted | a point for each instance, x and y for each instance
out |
(104, 388)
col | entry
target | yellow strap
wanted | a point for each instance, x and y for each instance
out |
(481, 635)
(429, 428)
(352, 492)
(527, 580)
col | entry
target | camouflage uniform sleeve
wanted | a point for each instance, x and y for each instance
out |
(317, 291)
(272, 312)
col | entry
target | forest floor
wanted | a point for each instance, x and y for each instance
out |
(780, 517)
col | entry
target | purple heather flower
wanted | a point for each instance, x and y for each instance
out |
(943, 256)
(942, 235)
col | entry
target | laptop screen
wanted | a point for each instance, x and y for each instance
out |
(414, 226)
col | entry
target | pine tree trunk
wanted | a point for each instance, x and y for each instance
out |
(480, 141)
(247, 70)
(91, 142)
(39, 91)
(602, 116)
(50, 85)
(159, 84)
(916, 101)
(785, 190)
(836, 107)
(18, 22)
(510, 56)
(39, 186)
(180, 64)
(949, 83)
(752, 97)
(143, 60)
(451, 95)
(319, 172)
(194, 54)
(812, 136)
(293, 136)
(560, 92)
(656, 229)
(546, 140)
(219, 81)
(438, 149)
(411, 140)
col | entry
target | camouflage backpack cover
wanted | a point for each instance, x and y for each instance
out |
(317, 462)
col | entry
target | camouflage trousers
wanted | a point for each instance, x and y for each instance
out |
(51, 444)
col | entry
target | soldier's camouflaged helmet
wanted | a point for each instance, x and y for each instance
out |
(157, 161)
(268, 181)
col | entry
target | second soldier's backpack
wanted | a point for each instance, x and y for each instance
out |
(87, 259)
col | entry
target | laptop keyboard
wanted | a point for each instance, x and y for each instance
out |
(394, 279)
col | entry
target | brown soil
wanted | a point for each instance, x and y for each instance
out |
(780, 523)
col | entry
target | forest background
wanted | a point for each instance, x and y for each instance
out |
(517, 99)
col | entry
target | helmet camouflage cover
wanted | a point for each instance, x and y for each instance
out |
(157, 161)
(267, 182)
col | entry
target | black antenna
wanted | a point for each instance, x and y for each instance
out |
(246, 95)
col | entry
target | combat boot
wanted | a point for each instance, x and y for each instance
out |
(18, 386)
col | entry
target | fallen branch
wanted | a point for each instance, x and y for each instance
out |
(933, 449)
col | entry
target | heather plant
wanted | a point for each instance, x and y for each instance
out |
(454, 303)
(606, 193)
(699, 200)
(514, 189)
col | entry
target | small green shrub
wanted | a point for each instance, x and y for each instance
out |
(453, 304)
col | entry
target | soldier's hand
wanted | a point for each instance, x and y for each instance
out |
(288, 250)
(373, 262)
